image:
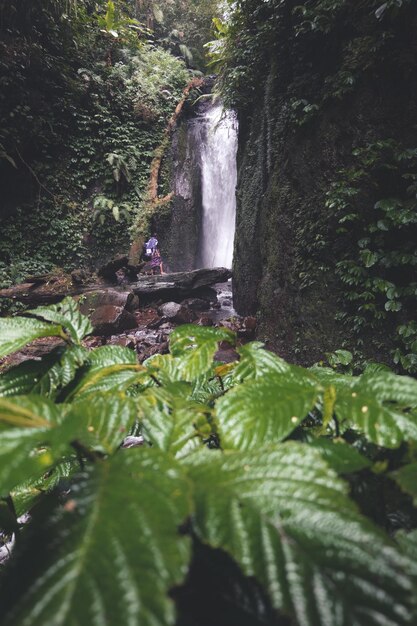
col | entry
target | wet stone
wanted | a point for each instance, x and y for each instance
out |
(109, 319)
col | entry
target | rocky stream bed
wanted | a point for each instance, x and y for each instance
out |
(138, 314)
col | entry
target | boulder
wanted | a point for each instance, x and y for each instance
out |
(92, 300)
(109, 269)
(206, 293)
(184, 316)
(126, 341)
(169, 309)
(79, 277)
(109, 320)
(177, 313)
(205, 320)
(196, 304)
(119, 269)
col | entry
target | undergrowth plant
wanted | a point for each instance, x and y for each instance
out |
(375, 204)
(271, 464)
(84, 103)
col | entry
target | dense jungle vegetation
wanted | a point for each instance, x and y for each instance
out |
(87, 91)
(260, 492)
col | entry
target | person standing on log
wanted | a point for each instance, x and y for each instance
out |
(156, 262)
(151, 245)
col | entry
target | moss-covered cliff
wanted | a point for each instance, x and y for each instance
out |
(326, 226)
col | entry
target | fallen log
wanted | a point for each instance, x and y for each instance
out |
(166, 287)
(179, 285)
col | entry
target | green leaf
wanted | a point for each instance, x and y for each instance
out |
(164, 367)
(16, 332)
(340, 357)
(110, 555)
(45, 377)
(408, 543)
(255, 362)
(19, 460)
(285, 517)
(109, 368)
(68, 315)
(170, 421)
(379, 406)
(28, 412)
(340, 456)
(369, 258)
(25, 424)
(220, 26)
(393, 305)
(265, 410)
(197, 345)
(101, 422)
(26, 494)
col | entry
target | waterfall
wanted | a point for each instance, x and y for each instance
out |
(218, 186)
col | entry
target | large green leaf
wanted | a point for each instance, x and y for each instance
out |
(44, 377)
(67, 315)
(389, 387)
(25, 424)
(379, 406)
(206, 389)
(197, 345)
(101, 422)
(109, 368)
(164, 368)
(341, 457)
(285, 517)
(408, 543)
(255, 362)
(265, 410)
(16, 332)
(170, 421)
(28, 412)
(111, 554)
(328, 377)
(26, 494)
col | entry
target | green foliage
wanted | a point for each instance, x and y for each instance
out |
(82, 112)
(115, 23)
(134, 529)
(265, 409)
(65, 321)
(383, 230)
(303, 554)
(46, 377)
(15, 336)
(181, 26)
(117, 542)
(196, 345)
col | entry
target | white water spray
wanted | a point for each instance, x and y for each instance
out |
(218, 179)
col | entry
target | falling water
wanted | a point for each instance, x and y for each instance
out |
(218, 180)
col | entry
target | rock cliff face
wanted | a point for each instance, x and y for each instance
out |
(180, 229)
(322, 96)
